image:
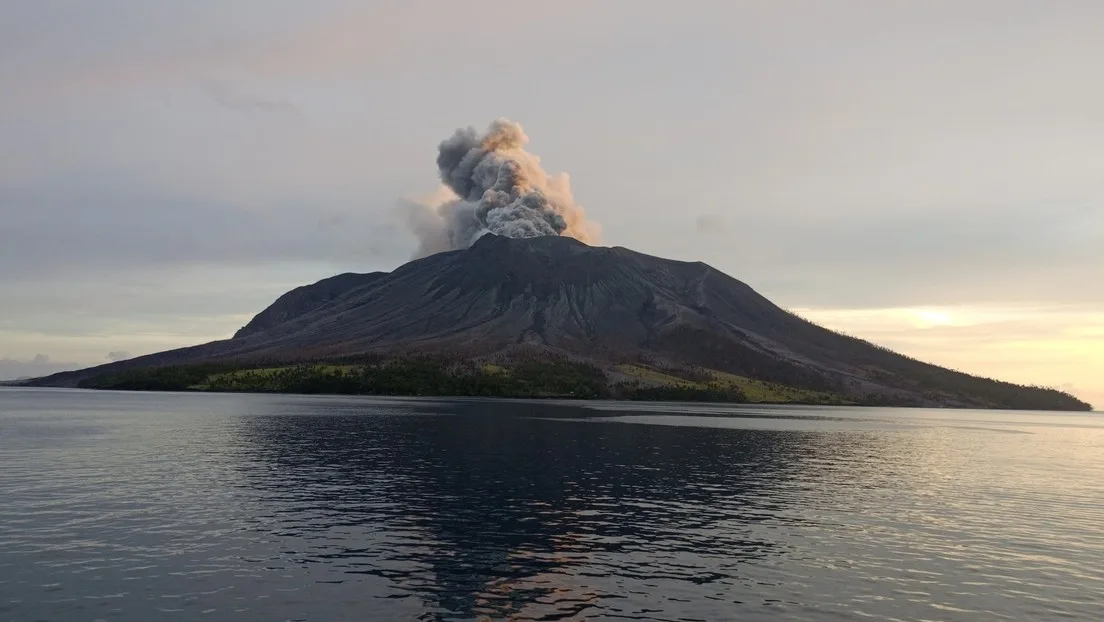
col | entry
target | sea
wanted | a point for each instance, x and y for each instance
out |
(189, 506)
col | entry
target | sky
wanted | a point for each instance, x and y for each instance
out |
(926, 175)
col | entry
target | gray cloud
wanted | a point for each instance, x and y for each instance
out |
(236, 99)
(118, 355)
(935, 257)
(40, 365)
(51, 230)
(709, 224)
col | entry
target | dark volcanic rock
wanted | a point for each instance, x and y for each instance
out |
(303, 300)
(607, 305)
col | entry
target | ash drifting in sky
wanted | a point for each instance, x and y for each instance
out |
(492, 185)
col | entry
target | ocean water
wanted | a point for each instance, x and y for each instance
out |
(144, 506)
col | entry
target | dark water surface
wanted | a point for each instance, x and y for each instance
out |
(141, 506)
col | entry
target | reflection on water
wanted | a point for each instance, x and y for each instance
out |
(532, 517)
(124, 506)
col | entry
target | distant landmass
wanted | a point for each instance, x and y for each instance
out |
(553, 317)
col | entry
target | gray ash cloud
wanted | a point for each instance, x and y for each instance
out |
(495, 186)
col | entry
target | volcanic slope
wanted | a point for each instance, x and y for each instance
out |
(609, 306)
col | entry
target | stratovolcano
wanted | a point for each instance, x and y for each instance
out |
(615, 308)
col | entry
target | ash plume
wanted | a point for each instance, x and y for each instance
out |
(492, 185)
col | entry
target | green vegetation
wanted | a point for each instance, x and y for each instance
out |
(648, 375)
(760, 391)
(176, 378)
(438, 376)
(262, 378)
(414, 376)
(525, 376)
(678, 393)
(710, 383)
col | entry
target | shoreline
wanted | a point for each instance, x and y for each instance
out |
(565, 398)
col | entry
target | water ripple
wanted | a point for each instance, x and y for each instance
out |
(219, 507)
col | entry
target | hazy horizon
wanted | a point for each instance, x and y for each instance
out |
(921, 175)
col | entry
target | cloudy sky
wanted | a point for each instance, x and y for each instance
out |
(927, 175)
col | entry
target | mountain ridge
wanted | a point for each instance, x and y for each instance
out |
(607, 305)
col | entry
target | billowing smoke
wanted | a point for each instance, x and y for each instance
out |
(492, 185)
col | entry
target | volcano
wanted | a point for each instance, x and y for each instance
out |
(611, 307)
